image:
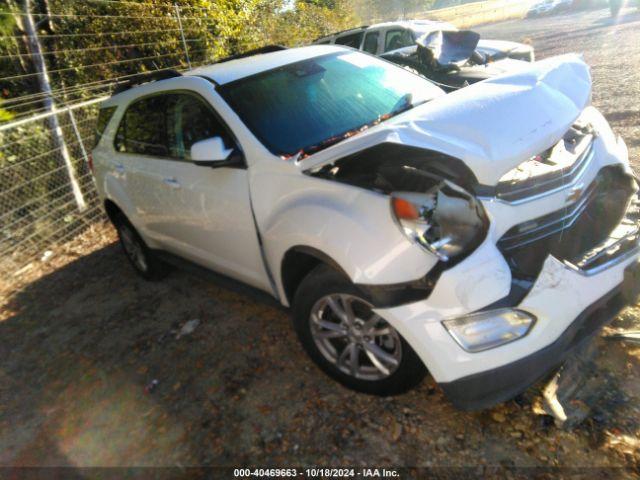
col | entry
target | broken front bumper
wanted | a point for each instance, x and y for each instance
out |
(484, 389)
(569, 300)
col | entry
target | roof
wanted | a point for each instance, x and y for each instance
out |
(232, 70)
(421, 24)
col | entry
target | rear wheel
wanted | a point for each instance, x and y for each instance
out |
(139, 255)
(338, 328)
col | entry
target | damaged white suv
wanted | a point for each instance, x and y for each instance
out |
(479, 235)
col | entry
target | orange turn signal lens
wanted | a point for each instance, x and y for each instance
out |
(404, 209)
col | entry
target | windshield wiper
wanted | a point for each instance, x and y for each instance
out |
(404, 105)
(403, 108)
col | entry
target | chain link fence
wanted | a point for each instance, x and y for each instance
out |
(52, 84)
(47, 193)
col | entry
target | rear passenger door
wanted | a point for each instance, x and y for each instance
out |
(141, 147)
(200, 213)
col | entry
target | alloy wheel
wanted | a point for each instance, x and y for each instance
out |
(353, 338)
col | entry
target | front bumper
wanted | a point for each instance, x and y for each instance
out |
(569, 304)
(485, 389)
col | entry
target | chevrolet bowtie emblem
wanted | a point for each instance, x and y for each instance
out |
(574, 194)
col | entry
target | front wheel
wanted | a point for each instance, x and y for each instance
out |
(340, 331)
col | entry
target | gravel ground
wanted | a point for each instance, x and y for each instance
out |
(83, 339)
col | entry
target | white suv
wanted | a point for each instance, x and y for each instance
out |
(478, 235)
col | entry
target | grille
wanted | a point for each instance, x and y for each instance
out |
(602, 220)
(551, 170)
(624, 239)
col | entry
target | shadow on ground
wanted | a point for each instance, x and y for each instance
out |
(85, 342)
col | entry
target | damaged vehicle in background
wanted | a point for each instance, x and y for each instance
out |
(447, 56)
(450, 59)
(479, 236)
(384, 37)
(548, 7)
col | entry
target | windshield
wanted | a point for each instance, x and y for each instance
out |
(306, 106)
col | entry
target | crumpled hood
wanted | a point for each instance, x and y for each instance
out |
(493, 125)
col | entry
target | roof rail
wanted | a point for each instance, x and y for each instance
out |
(255, 51)
(144, 78)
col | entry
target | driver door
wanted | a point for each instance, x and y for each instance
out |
(213, 221)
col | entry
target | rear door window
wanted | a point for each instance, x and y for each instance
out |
(371, 42)
(352, 40)
(143, 129)
(397, 38)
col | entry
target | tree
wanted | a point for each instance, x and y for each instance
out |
(308, 20)
(381, 10)
(321, 3)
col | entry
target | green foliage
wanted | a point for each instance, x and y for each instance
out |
(321, 3)
(310, 20)
(5, 115)
(382, 10)
(91, 43)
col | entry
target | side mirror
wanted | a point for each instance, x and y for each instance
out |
(210, 152)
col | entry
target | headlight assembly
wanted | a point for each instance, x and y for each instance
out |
(446, 220)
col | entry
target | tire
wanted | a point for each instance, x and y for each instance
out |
(331, 348)
(144, 262)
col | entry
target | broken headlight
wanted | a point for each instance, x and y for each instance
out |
(446, 220)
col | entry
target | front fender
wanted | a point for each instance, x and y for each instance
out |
(352, 226)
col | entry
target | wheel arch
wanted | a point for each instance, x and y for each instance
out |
(112, 210)
(297, 263)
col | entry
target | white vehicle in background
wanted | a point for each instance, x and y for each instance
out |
(383, 38)
(549, 6)
(479, 235)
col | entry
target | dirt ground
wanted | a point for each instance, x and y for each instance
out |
(83, 339)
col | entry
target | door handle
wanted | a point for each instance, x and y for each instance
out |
(118, 167)
(172, 182)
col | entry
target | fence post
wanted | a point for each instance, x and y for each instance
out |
(72, 117)
(54, 125)
(184, 42)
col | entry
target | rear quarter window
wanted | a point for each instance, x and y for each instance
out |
(104, 116)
